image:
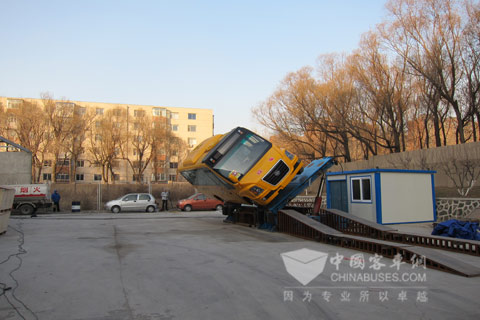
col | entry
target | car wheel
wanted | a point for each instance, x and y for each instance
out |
(150, 209)
(188, 208)
(26, 209)
(116, 209)
(219, 207)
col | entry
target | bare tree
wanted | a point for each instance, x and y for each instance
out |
(78, 126)
(386, 87)
(30, 125)
(470, 58)
(428, 35)
(105, 139)
(139, 138)
(463, 173)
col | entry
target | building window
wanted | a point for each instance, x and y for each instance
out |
(159, 112)
(98, 124)
(138, 177)
(97, 177)
(14, 103)
(79, 177)
(361, 189)
(98, 137)
(47, 163)
(63, 162)
(63, 177)
(80, 110)
(80, 163)
(174, 115)
(192, 116)
(117, 112)
(47, 177)
(99, 111)
(173, 165)
(192, 128)
(161, 177)
(174, 127)
(138, 113)
(192, 142)
(116, 177)
(172, 177)
(12, 119)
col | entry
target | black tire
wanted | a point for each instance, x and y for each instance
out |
(219, 207)
(188, 208)
(26, 209)
(115, 209)
(150, 209)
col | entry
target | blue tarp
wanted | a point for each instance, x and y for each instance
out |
(458, 229)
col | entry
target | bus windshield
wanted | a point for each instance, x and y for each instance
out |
(239, 153)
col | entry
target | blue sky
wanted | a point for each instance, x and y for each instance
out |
(224, 55)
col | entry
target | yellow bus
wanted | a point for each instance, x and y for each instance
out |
(240, 167)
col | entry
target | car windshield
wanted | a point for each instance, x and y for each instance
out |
(193, 196)
(242, 154)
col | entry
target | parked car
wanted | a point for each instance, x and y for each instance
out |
(199, 202)
(133, 202)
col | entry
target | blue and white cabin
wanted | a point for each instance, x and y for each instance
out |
(385, 196)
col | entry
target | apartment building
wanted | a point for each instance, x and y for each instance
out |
(190, 125)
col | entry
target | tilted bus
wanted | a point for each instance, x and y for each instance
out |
(240, 167)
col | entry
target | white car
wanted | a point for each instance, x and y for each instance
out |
(133, 202)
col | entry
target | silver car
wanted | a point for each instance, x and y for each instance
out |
(133, 202)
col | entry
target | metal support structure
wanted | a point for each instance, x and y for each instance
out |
(297, 224)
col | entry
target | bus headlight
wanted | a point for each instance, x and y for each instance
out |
(289, 155)
(256, 190)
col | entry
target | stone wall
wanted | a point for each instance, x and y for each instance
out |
(455, 208)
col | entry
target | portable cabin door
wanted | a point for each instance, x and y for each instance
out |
(338, 195)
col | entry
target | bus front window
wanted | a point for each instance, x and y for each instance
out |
(242, 154)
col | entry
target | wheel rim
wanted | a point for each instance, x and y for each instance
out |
(115, 209)
(219, 207)
(25, 209)
(188, 208)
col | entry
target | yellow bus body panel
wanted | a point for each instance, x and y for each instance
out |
(240, 193)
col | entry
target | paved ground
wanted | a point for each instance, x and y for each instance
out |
(194, 266)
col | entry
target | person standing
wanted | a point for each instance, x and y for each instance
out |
(164, 200)
(56, 201)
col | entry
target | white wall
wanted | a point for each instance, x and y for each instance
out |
(365, 210)
(406, 197)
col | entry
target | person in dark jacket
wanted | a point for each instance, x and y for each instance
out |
(56, 201)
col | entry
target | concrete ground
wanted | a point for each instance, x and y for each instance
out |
(177, 265)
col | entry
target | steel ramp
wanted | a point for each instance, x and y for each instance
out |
(297, 224)
(350, 224)
(300, 182)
